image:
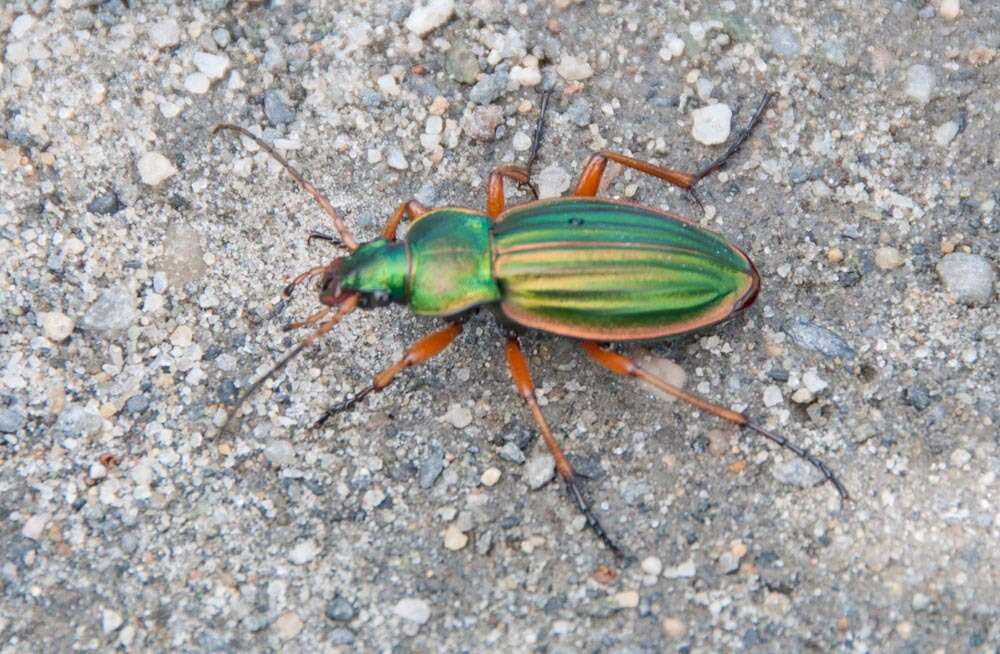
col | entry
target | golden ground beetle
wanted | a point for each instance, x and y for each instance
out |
(584, 267)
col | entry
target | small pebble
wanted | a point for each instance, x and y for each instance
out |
(303, 552)
(431, 468)
(667, 370)
(968, 278)
(950, 9)
(803, 396)
(574, 68)
(221, 36)
(579, 112)
(458, 416)
(511, 452)
(21, 25)
(454, 539)
(11, 420)
(711, 124)
(673, 627)
(461, 65)
(489, 88)
(959, 458)
(946, 133)
(159, 282)
(553, 181)
(182, 336)
(482, 123)
(490, 477)
(111, 621)
(413, 610)
(627, 599)
(428, 16)
(287, 625)
(521, 142)
(685, 570)
(165, 34)
(673, 47)
(526, 75)
(784, 41)
(396, 160)
(539, 470)
(56, 325)
(105, 204)
(277, 107)
(154, 168)
(34, 526)
(813, 382)
(888, 258)
(818, 339)
(78, 421)
(211, 65)
(197, 83)
(728, 563)
(797, 472)
(652, 566)
(340, 610)
(772, 396)
(920, 602)
(372, 499)
(920, 82)
(279, 452)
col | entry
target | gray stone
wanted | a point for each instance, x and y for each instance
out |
(11, 420)
(797, 472)
(511, 452)
(462, 65)
(539, 471)
(340, 610)
(968, 278)
(784, 41)
(278, 107)
(113, 311)
(77, 421)
(431, 468)
(818, 339)
(489, 88)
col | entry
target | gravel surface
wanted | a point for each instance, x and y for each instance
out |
(141, 268)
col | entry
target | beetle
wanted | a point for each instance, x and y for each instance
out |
(588, 268)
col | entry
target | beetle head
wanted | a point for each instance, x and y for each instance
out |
(375, 272)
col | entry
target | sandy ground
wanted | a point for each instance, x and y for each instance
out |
(142, 264)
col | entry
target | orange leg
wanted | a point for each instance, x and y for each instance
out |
(593, 171)
(526, 389)
(424, 349)
(621, 365)
(410, 209)
(494, 187)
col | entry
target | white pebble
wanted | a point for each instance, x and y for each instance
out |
(454, 539)
(539, 470)
(182, 336)
(165, 34)
(111, 621)
(458, 416)
(21, 25)
(521, 142)
(154, 168)
(920, 81)
(652, 566)
(552, 181)
(673, 47)
(685, 570)
(574, 68)
(888, 258)
(303, 552)
(34, 526)
(387, 85)
(525, 75)
(960, 457)
(803, 396)
(212, 65)
(711, 124)
(950, 9)
(197, 83)
(56, 326)
(413, 609)
(490, 476)
(967, 277)
(427, 17)
(772, 396)
(396, 159)
(434, 125)
(945, 133)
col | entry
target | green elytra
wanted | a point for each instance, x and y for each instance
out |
(580, 266)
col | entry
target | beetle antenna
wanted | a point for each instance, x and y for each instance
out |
(321, 200)
(346, 307)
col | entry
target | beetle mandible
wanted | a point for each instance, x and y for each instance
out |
(588, 268)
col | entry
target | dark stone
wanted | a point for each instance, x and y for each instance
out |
(105, 204)
(917, 396)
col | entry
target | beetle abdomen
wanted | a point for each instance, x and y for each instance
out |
(605, 270)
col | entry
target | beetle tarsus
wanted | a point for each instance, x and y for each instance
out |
(737, 143)
(805, 455)
(595, 525)
(343, 405)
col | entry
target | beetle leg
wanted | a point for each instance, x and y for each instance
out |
(621, 365)
(321, 200)
(593, 171)
(410, 209)
(494, 187)
(424, 349)
(526, 389)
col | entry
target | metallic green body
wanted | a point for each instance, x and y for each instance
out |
(581, 267)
